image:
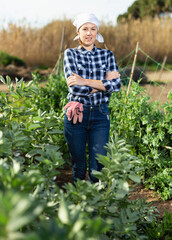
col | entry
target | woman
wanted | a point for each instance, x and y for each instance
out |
(92, 75)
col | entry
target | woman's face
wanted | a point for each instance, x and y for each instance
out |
(87, 34)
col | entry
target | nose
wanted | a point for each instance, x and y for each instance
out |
(88, 32)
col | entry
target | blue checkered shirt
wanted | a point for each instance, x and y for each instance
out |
(92, 64)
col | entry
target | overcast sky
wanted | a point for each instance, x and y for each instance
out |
(41, 12)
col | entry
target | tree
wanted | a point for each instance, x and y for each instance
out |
(142, 8)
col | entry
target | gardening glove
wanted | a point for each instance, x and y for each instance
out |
(75, 111)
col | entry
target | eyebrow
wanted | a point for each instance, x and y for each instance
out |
(89, 27)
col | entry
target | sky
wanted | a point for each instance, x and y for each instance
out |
(40, 12)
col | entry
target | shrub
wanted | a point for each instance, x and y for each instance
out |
(6, 59)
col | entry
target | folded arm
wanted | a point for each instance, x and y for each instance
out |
(69, 68)
(81, 86)
(97, 85)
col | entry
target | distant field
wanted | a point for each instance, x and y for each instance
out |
(165, 77)
(41, 47)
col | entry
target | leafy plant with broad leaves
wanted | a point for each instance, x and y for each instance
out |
(32, 151)
(109, 197)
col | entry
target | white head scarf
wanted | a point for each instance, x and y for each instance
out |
(85, 18)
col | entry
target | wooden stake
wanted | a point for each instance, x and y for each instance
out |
(167, 147)
(57, 65)
(162, 67)
(132, 70)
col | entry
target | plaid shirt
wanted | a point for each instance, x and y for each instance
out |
(92, 64)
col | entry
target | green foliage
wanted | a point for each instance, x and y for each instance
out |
(53, 96)
(33, 150)
(28, 140)
(7, 59)
(148, 130)
(142, 8)
(109, 198)
(20, 218)
(17, 211)
(161, 229)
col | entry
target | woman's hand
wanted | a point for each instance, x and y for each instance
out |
(112, 75)
(75, 79)
(94, 90)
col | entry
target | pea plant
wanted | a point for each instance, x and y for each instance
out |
(147, 127)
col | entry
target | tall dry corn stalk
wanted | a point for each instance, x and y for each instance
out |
(41, 46)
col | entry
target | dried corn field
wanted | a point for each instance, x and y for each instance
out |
(41, 46)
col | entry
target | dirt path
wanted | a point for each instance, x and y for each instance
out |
(158, 76)
(159, 92)
(151, 196)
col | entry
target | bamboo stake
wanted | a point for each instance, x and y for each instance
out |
(105, 46)
(132, 70)
(167, 147)
(62, 40)
(162, 67)
(57, 65)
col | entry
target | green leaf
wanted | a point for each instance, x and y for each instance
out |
(37, 118)
(112, 209)
(2, 79)
(98, 175)
(34, 126)
(55, 131)
(3, 95)
(29, 84)
(18, 82)
(15, 95)
(34, 152)
(120, 194)
(123, 185)
(19, 91)
(63, 213)
(16, 167)
(134, 177)
(8, 80)
(78, 225)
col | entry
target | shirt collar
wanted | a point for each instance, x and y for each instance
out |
(85, 51)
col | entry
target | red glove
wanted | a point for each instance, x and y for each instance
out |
(75, 111)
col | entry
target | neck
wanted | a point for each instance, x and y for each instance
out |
(88, 48)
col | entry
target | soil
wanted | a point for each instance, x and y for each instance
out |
(151, 196)
(157, 92)
(22, 72)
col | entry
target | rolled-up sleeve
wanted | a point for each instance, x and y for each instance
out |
(113, 85)
(69, 68)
